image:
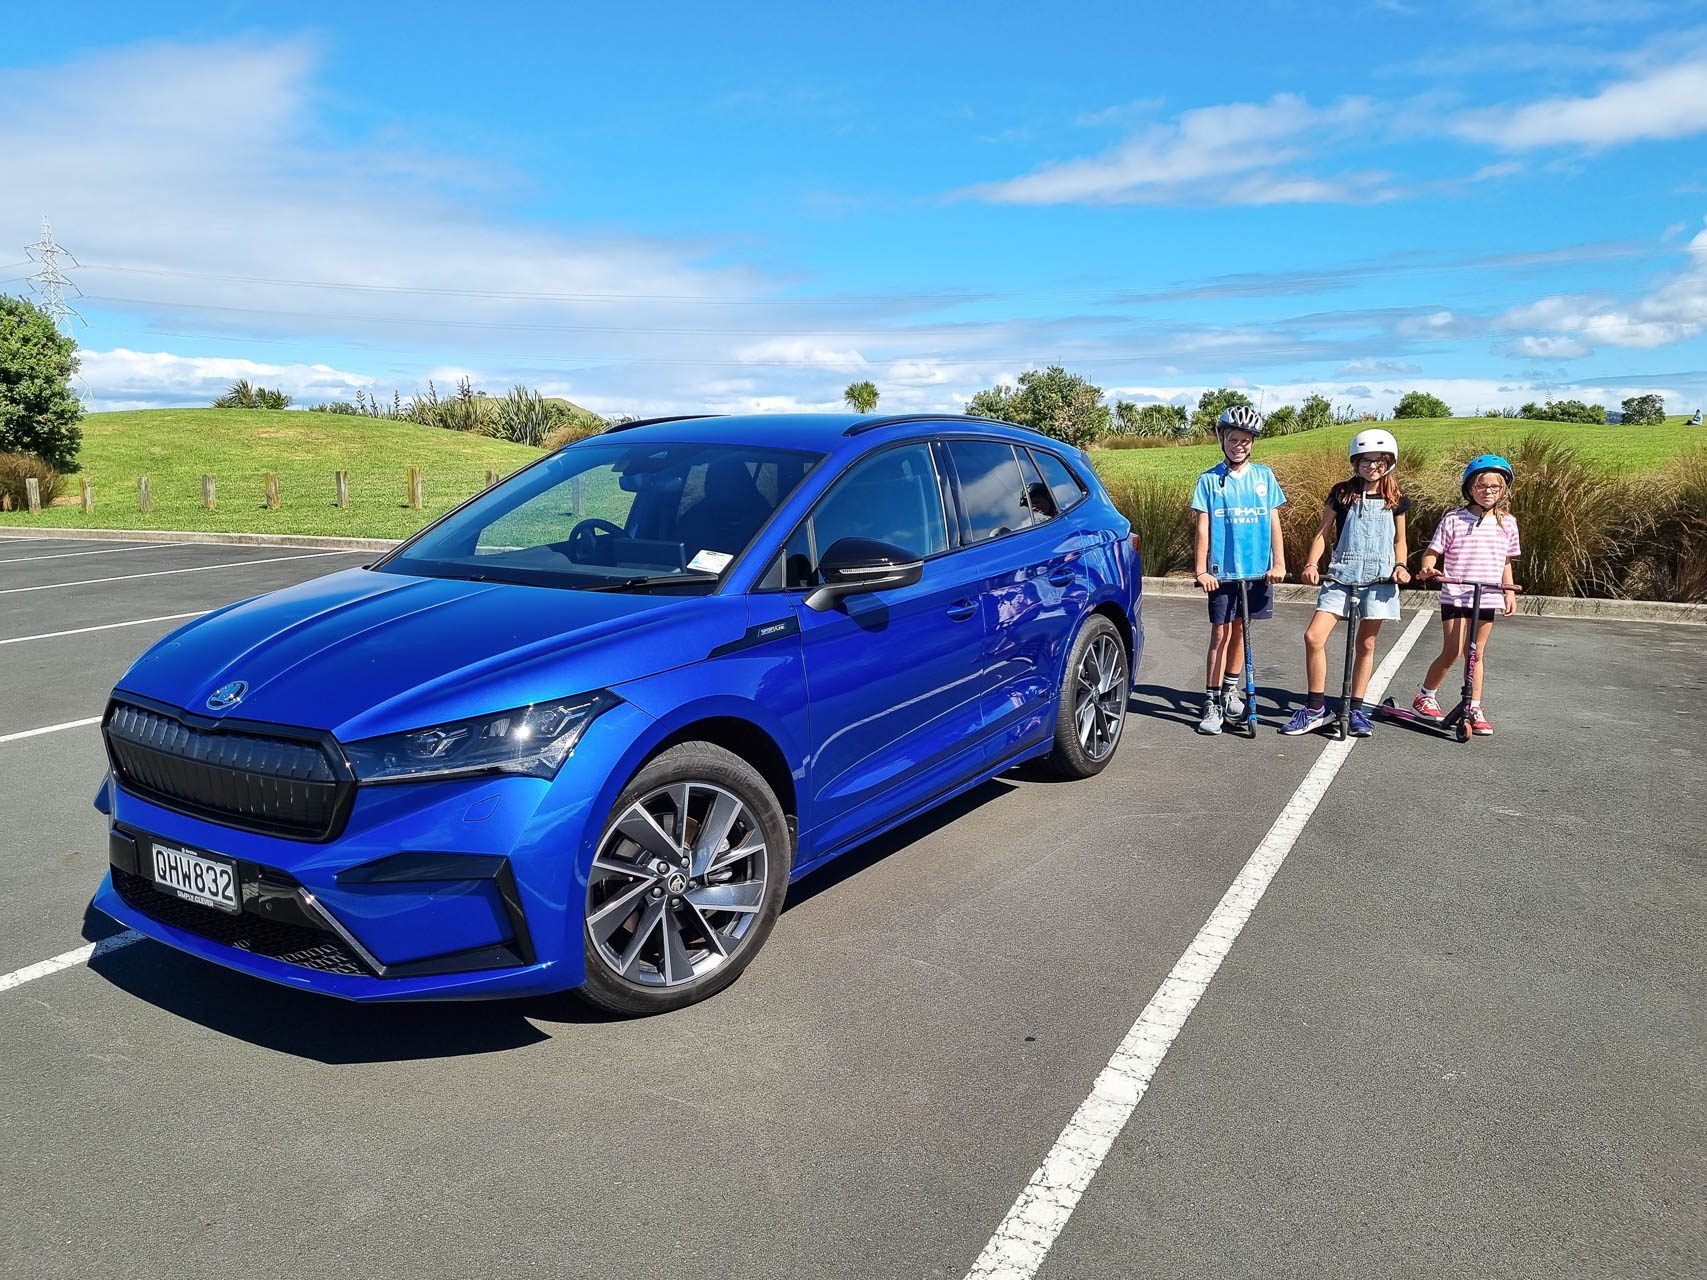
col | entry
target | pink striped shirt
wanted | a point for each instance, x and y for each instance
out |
(1476, 550)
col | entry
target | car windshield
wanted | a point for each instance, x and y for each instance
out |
(613, 516)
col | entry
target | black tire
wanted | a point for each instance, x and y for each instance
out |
(1078, 753)
(1462, 730)
(640, 898)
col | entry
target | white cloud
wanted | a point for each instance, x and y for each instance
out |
(1670, 102)
(1369, 368)
(1545, 348)
(1235, 153)
(124, 379)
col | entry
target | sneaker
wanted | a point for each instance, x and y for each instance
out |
(1360, 724)
(1234, 702)
(1212, 717)
(1426, 707)
(1479, 724)
(1303, 720)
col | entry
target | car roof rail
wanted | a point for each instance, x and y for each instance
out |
(652, 422)
(900, 419)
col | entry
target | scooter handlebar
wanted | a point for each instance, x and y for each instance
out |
(1465, 582)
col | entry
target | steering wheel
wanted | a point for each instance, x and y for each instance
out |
(584, 538)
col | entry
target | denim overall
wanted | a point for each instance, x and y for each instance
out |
(1364, 553)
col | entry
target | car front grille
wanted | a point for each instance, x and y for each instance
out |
(293, 944)
(236, 776)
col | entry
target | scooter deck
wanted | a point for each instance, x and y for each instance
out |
(1452, 725)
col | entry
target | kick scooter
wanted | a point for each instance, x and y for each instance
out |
(1456, 722)
(1354, 615)
(1248, 725)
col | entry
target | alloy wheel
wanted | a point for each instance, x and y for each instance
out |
(1099, 697)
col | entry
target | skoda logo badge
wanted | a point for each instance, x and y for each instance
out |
(227, 695)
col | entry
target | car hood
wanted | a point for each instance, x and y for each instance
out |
(364, 652)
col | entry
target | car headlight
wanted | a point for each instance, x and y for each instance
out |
(533, 740)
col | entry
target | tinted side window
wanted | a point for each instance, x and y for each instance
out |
(891, 496)
(1063, 484)
(1037, 494)
(991, 488)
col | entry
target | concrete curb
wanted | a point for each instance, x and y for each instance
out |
(307, 541)
(1537, 606)
(1285, 592)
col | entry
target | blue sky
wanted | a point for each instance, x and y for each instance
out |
(692, 207)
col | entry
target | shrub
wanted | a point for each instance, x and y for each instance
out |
(38, 412)
(569, 432)
(1420, 404)
(1281, 422)
(15, 468)
(1155, 421)
(1053, 401)
(334, 406)
(1573, 519)
(1672, 561)
(1161, 516)
(1644, 411)
(240, 395)
(1564, 411)
(525, 417)
(1315, 412)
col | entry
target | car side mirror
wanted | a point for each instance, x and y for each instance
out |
(853, 566)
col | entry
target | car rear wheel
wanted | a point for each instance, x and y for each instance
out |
(1091, 710)
(685, 883)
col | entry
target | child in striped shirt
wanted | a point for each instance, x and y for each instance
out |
(1475, 543)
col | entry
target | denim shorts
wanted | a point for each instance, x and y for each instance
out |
(1224, 601)
(1380, 601)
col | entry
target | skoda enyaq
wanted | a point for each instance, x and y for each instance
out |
(584, 730)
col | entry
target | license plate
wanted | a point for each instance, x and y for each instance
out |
(196, 878)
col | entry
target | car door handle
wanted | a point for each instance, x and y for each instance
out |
(1061, 577)
(961, 610)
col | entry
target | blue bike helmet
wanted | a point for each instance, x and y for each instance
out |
(1484, 462)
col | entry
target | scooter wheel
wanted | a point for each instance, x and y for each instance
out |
(1462, 731)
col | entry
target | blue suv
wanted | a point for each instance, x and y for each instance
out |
(584, 730)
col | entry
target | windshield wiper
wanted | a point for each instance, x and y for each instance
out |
(653, 580)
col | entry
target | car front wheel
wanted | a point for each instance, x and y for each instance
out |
(685, 883)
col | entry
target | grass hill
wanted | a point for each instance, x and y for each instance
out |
(176, 447)
(1623, 450)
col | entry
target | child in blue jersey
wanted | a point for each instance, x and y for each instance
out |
(1238, 503)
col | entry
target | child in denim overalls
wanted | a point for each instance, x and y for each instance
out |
(1368, 512)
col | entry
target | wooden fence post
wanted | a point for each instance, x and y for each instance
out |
(342, 480)
(88, 495)
(32, 494)
(491, 477)
(273, 491)
(144, 498)
(417, 488)
(209, 498)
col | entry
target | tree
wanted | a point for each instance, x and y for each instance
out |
(240, 395)
(38, 410)
(1420, 404)
(861, 396)
(1316, 411)
(1149, 420)
(1212, 404)
(1564, 411)
(1644, 411)
(1280, 422)
(1052, 401)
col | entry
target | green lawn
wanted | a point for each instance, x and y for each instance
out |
(1631, 450)
(175, 447)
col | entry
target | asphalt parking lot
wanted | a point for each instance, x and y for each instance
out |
(1462, 1033)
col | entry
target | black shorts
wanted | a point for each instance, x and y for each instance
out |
(1464, 611)
(1224, 601)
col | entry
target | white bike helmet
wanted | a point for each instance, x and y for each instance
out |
(1374, 441)
(1240, 417)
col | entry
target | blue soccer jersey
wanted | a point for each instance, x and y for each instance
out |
(1240, 507)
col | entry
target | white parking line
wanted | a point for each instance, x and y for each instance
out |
(1025, 1236)
(105, 626)
(161, 573)
(108, 551)
(106, 946)
(52, 728)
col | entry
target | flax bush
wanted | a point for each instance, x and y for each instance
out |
(1161, 516)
